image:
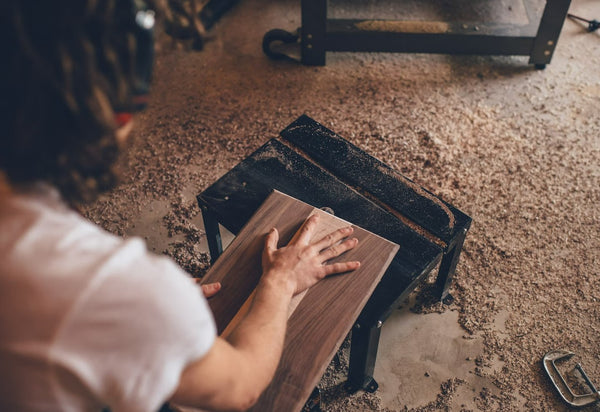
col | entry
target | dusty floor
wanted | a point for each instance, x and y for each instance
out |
(516, 149)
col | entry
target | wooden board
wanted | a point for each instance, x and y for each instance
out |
(319, 319)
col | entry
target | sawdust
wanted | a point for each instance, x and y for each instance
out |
(404, 26)
(514, 148)
(422, 192)
(188, 253)
(194, 260)
(334, 396)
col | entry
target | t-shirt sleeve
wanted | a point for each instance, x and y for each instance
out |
(138, 325)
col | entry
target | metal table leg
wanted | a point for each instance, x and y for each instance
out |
(549, 29)
(363, 353)
(314, 28)
(213, 234)
(448, 266)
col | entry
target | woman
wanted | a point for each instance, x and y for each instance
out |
(89, 320)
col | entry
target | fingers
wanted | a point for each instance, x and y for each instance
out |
(211, 289)
(271, 240)
(337, 250)
(304, 234)
(341, 267)
(333, 238)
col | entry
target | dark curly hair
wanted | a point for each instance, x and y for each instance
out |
(68, 63)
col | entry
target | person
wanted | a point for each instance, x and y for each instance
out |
(89, 320)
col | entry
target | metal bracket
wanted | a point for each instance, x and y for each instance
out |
(561, 384)
(313, 404)
(370, 385)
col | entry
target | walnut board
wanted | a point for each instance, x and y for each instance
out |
(320, 318)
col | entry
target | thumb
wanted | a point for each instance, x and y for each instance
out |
(271, 240)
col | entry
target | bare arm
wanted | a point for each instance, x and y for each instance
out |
(234, 373)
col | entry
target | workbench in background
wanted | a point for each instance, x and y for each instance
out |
(536, 37)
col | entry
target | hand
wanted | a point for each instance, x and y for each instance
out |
(210, 289)
(301, 263)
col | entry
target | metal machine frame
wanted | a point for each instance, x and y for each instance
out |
(319, 35)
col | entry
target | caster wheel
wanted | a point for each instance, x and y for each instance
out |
(278, 37)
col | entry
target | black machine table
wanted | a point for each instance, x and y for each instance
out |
(313, 164)
(320, 34)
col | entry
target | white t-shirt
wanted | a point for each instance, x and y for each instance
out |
(89, 320)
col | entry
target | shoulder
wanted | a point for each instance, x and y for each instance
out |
(37, 222)
(132, 333)
(122, 321)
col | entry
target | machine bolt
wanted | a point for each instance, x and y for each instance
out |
(379, 324)
(547, 53)
(550, 43)
(357, 326)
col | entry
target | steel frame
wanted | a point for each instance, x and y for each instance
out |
(319, 35)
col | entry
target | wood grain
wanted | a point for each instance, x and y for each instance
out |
(326, 226)
(320, 318)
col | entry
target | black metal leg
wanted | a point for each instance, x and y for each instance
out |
(314, 402)
(314, 27)
(213, 234)
(448, 266)
(549, 29)
(363, 352)
(166, 408)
